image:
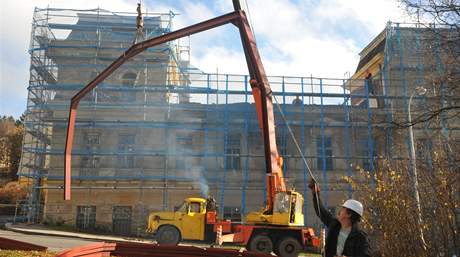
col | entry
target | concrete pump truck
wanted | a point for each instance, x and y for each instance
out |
(279, 227)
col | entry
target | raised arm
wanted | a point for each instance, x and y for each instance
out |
(325, 216)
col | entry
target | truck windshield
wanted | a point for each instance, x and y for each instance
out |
(281, 203)
(298, 205)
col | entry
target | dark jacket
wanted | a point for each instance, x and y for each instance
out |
(356, 244)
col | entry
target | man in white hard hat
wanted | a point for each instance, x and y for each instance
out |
(344, 237)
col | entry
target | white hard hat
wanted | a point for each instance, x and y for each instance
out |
(354, 206)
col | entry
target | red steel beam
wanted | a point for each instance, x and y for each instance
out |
(131, 52)
(10, 244)
(259, 83)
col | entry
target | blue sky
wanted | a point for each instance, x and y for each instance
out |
(295, 37)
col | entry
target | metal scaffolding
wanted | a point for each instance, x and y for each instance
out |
(159, 126)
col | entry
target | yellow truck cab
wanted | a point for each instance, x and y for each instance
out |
(287, 211)
(187, 222)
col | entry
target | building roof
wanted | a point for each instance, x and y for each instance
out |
(372, 49)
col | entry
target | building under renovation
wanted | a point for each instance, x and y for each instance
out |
(159, 130)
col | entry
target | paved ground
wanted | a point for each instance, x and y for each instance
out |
(57, 240)
(44, 230)
(54, 243)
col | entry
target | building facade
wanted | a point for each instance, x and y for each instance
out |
(159, 130)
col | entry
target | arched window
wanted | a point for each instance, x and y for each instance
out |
(128, 80)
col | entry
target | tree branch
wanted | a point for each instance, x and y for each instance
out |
(424, 118)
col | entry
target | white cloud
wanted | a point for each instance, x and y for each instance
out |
(297, 39)
(288, 45)
(373, 15)
(225, 6)
(220, 57)
(192, 13)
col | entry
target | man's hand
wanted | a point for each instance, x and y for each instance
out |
(314, 187)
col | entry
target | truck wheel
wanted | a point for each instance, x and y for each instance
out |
(167, 235)
(261, 243)
(288, 247)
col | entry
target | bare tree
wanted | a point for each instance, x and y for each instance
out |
(388, 190)
(390, 217)
(442, 19)
(445, 12)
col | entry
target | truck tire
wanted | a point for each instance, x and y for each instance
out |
(288, 247)
(168, 235)
(261, 244)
